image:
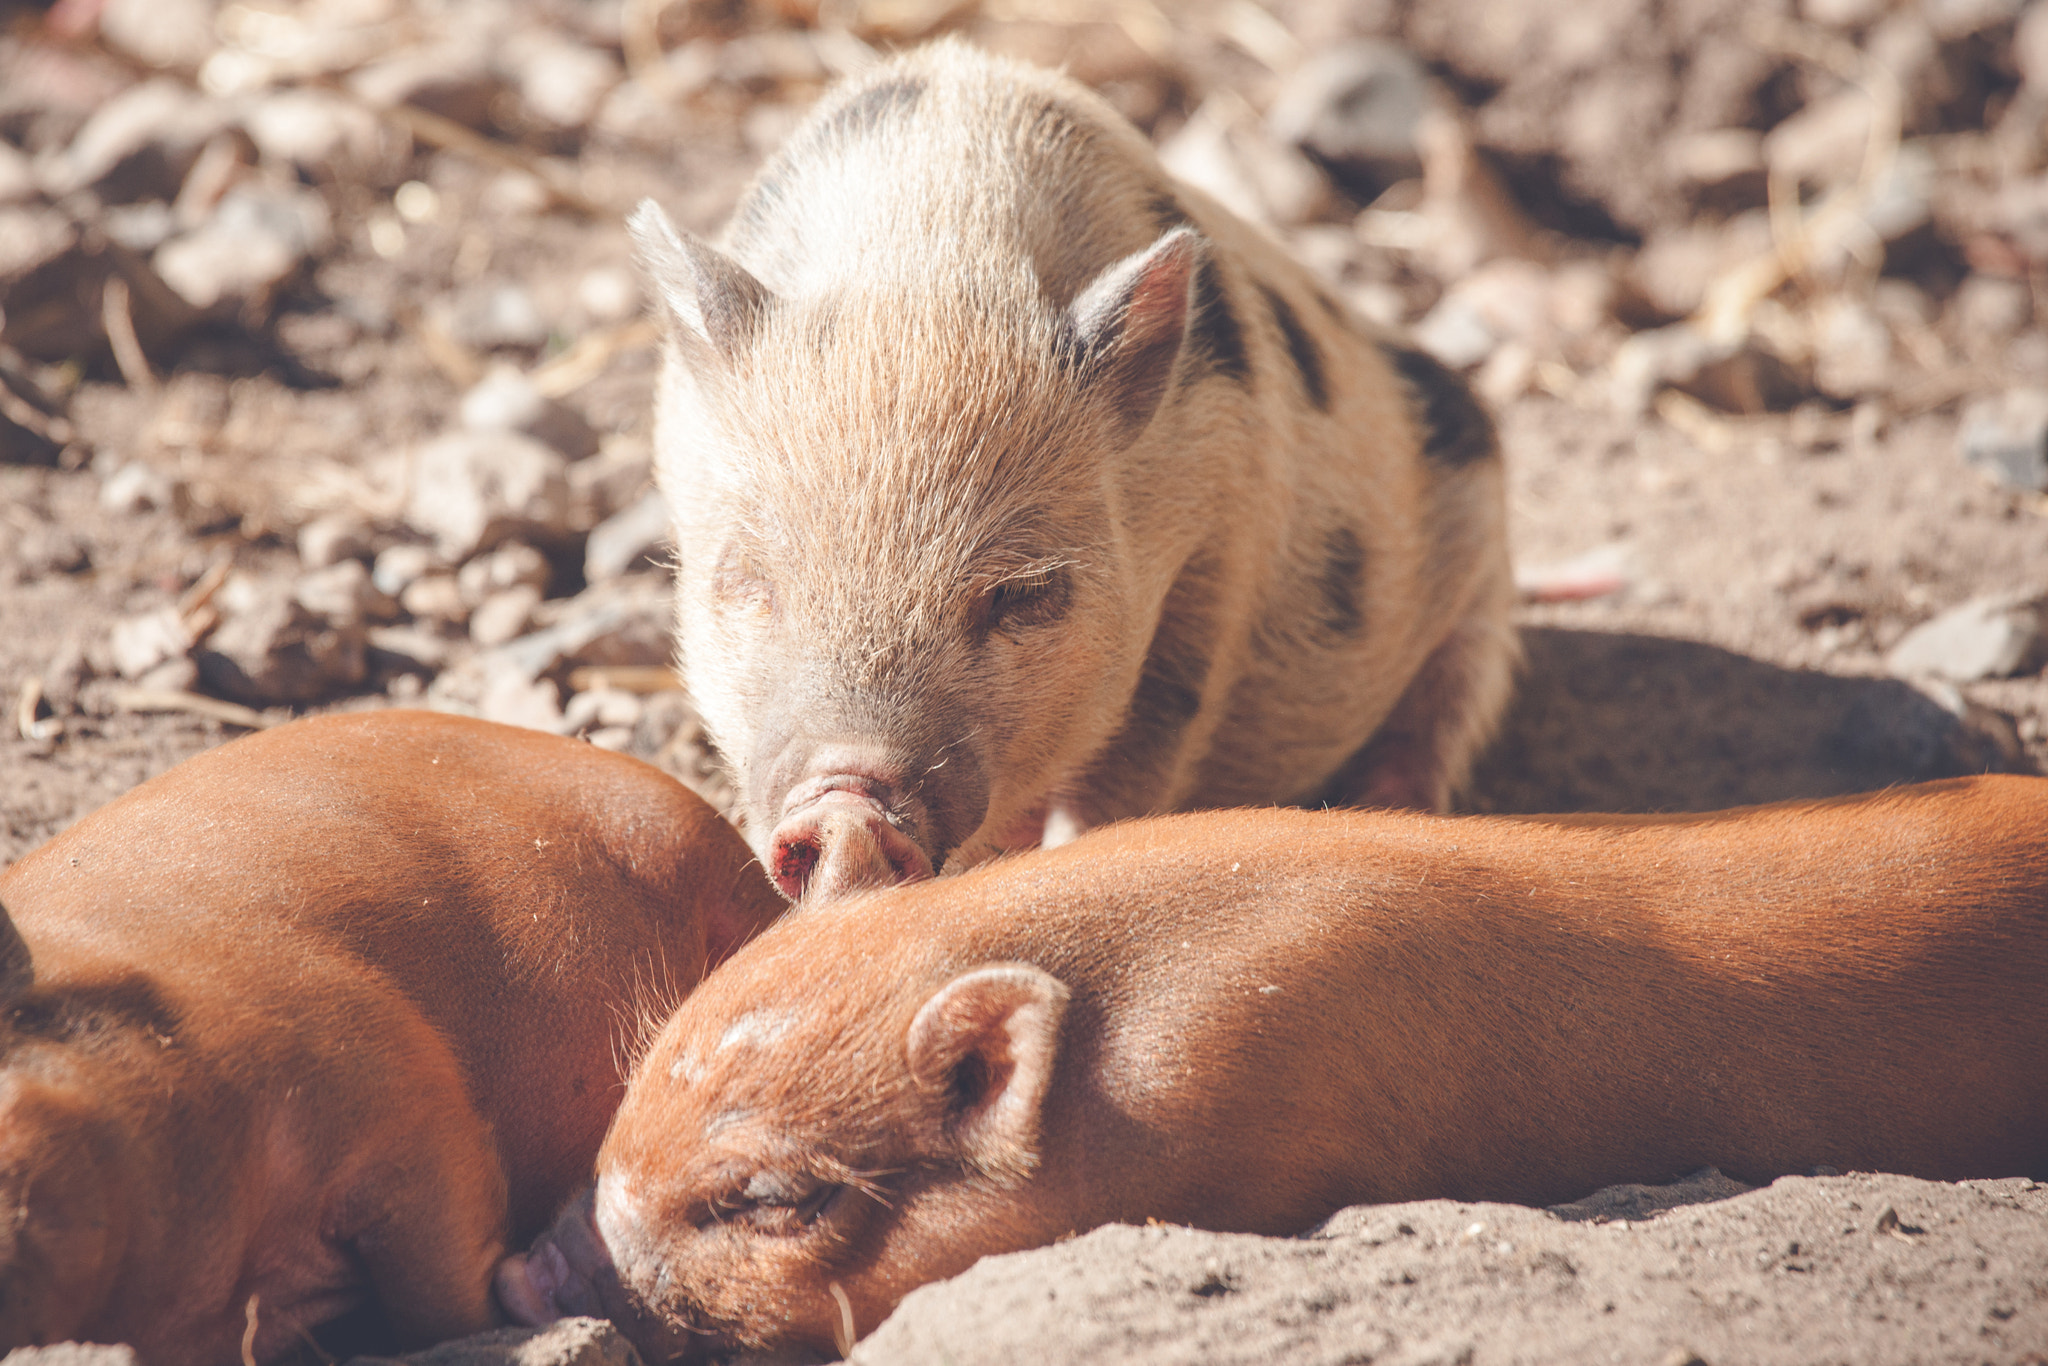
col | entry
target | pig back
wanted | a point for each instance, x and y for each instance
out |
(538, 900)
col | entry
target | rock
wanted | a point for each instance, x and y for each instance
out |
(136, 487)
(333, 538)
(1718, 159)
(437, 597)
(73, 1354)
(1511, 298)
(1986, 312)
(255, 240)
(313, 130)
(141, 228)
(17, 175)
(627, 540)
(1852, 351)
(50, 548)
(34, 429)
(343, 593)
(1851, 14)
(561, 83)
(505, 400)
(1641, 1202)
(140, 643)
(1451, 1281)
(138, 145)
(1744, 376)
(512, 565)
(493, 317)
(1582, 296)
(1357, 108)
(1987, 637)
(2030, 47)
(1676, 264)
(65, 676)
(399, 566)
(602, 708)
(568, 1342)
(40, 278)
(271, 648)
(173, 675)
(1455, 333)
(621, 624)
(53, 278)
(162, 33)
(608, 294)
(511, 700)
(612, 480)
(452, 80)
(410, 647)
(1223, 149)
(1824, 142)
(503, 615)
(472, 490)
(2006, 439)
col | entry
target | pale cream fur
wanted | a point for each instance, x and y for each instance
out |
(891, 432)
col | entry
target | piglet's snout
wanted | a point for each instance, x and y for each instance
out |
(844, 839)
(563, 1274)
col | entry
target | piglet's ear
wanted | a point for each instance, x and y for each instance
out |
(712, 306)
(986, 1042)
(1128, 325)
(16, 968)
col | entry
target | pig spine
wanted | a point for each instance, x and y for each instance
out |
(1301, 552)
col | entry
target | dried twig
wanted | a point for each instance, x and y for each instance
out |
(171, 699)
(450, 136)
(249, 1333)
(118, 317)
(842, 1331)
(633, 678)
(25, 721)
(587, 357)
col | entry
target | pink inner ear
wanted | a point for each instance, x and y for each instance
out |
(1006, 1017)
(1159, 304)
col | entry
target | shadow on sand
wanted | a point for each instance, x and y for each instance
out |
(1616, 722)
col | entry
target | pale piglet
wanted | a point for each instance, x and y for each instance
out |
(1019, 488)
(1247, 1020)
(315, 1021)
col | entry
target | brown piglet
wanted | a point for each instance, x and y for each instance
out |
(1246, 1020)
(317, 1020)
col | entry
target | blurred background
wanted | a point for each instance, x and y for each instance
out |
(324, 382)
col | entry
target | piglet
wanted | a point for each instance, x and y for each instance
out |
(315, 1021)
(1019, 488)
(1247, 1020)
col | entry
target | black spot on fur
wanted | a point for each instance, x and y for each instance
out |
(1333, 310)
(1217, 334)
(1167, 214)
(1342, 579)
(1308, 357)
(1169, 692)
(1455, 430)
(872, 107)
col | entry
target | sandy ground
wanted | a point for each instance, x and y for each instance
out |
(1759, 558)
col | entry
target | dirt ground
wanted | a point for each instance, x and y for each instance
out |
(1758, 291)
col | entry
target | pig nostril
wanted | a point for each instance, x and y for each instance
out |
(794, 860)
